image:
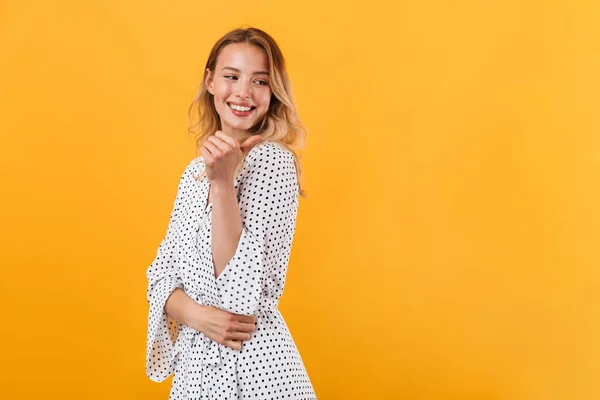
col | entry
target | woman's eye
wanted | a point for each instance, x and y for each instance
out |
(233, 77)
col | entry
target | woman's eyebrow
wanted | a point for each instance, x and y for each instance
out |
(256, 73)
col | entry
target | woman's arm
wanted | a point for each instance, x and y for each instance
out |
(222, 155)
(180, 307)
(218, 325)
(166, 286)
(226, 224)
(268, 205)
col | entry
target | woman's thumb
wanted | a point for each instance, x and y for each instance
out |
(250, 142)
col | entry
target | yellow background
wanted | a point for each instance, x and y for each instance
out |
(449, 246)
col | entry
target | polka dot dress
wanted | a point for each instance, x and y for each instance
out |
(269, 365)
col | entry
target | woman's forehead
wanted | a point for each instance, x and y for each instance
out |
(243, 58)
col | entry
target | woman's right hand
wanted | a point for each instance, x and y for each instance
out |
(221, 326)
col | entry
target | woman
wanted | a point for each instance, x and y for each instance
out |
(215, 283)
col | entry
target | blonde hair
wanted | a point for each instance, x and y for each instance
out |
(280, 124)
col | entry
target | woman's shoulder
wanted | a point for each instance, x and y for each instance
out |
(195, 165)
(269, 152)
(270, 164)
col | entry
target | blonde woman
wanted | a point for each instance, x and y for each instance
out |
(219, 272)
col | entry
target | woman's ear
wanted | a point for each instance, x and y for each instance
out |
(209, 81)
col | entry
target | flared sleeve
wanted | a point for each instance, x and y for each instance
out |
(163, 279)
(268, 201)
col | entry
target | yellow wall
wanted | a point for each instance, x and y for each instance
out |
(449, 247)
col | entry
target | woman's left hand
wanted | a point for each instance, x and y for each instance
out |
(222, 154)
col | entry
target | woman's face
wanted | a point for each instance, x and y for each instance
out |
(240, 79)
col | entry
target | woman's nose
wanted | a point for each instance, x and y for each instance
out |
(243, 90)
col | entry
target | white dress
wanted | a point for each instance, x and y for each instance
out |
(268, 366)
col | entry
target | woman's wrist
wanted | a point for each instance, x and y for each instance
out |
(220, 189)
(194, 315)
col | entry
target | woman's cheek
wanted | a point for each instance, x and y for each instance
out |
(267, 97)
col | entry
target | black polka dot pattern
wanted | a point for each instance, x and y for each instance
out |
(269, 365)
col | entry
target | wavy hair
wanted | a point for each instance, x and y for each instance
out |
(281, 123)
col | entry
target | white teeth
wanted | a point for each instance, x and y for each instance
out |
(240, 108)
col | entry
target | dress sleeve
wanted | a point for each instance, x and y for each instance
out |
(163, 278)
(268, 200)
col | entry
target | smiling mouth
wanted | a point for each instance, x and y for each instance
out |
(241, 111)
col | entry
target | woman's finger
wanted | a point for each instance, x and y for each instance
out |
(233, 344)
(219, 143)
(245, 327)
(214, 150)
(240, 336)
(248, 319)
(226, 138)
(206, 154)
(250, 142)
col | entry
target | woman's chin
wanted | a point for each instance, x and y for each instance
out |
(240, 126)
